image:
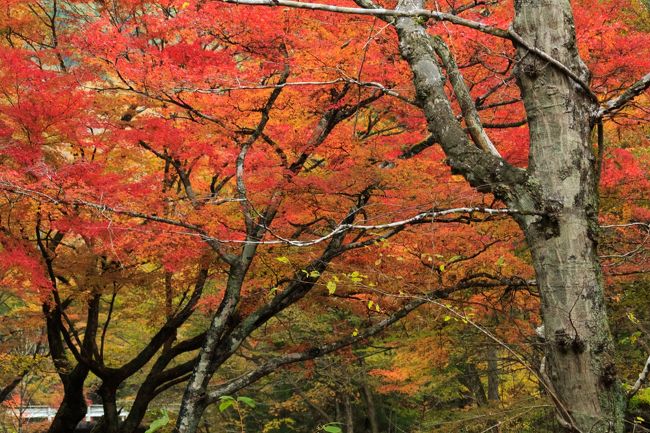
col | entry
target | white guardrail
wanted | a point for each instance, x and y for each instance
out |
(47, 413)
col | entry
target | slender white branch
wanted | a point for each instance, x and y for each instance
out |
(197, 230)
(438, 16)
(419, 218)
(371, 84)
(632, 224)
(643, 376)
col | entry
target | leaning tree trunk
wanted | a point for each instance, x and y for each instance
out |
(579, 351)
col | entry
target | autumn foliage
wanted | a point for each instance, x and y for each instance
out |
(144, 142)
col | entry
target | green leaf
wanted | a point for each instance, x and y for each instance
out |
(159, 423)
(356, 277)
(247, 401)
(282, 259)
(225, 405)
(447, 318)
(314, 274)
(331, 287)
(226, 402)
(332, 428)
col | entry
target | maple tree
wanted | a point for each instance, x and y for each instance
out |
(195, 168)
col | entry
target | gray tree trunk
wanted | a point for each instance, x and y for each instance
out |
(579, 350)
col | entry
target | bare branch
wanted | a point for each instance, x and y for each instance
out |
(620, 101)
(247, 208)
(418, 148)
(438, 16)
(344, 79)
(504, 125)
(643, 376)
(420, 218)
(461, 91)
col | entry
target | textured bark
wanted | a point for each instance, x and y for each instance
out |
(579, 349)
(73, 407)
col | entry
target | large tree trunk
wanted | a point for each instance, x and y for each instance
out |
(579, 350)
